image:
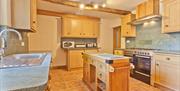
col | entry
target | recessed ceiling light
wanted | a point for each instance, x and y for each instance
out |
(96, 6)
(103, 5)
(81, 6)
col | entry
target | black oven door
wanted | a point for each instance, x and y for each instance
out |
(142, 64)
(142, 68)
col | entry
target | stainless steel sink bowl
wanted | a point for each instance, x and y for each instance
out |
(22, 60)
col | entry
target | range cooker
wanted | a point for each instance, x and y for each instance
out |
(141, 63)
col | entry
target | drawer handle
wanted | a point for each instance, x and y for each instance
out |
(157, 64)
(100, 75)
(166, 25)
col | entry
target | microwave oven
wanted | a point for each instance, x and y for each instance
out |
(68, 44)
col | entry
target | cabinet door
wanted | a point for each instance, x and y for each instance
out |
(171, 16)
(167, 74)
(5, 17)
(152, 7)
(75, 59)
(24, 14)
(21, 14)
(33, 15)
(96, 29)
(149, 7)
(76, 27)
(141, 10)
(72, 27)
(128, 30)
(88, 28)
(66, 27)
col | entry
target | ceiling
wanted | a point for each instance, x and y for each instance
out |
(116, 4)
(119, 4)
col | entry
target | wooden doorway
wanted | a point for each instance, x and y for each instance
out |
(117, 37)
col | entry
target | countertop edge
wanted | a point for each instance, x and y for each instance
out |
(45, 66)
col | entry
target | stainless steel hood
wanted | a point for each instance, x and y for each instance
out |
(145, 19)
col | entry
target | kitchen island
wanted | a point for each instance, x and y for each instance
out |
(106, 72)
(31, 78)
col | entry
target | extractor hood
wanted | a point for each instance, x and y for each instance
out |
(146, 19)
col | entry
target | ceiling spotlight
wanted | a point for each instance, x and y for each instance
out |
(103, 5)
(96, 6)
(81, 6)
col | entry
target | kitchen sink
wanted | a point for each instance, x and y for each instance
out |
(22, 60)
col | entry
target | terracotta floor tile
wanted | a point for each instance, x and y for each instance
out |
(63, 80)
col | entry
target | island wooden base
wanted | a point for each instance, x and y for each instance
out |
(98, 76)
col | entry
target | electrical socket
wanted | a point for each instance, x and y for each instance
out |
(22, 44)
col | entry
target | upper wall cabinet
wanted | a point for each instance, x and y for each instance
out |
(79, 27)
(24, 14)
(19, 14)
(150, 7)
(5, 13)
(128, 30)
(171, 16)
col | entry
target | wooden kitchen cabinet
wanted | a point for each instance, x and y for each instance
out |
(171, 16)
(5, 17)
(167, 71)
(75, 59)
(24, 14)
(149, 7)
(141, 10)
(79, 27)
(72, 27)
(128, 30)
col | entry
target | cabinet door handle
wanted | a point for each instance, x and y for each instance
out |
(33, 22)
(168, 59)
(166, 25)
(157, 64)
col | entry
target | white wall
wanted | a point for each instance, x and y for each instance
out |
(106, 34)
(47, 38)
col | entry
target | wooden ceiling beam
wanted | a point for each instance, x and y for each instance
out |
(89, 7)
(60, 14)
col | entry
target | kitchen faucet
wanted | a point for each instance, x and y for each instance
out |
(3, 41)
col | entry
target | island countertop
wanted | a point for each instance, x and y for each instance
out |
(23, 78)
(105, 57)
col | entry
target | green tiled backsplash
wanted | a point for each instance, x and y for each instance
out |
(150, 36)
(13, 43)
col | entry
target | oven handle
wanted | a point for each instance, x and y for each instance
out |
(142, 74)
(142, 56)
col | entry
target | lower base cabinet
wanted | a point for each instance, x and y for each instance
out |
(74, 58)
(167, 71)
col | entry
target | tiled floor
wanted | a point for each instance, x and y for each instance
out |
(63, 80)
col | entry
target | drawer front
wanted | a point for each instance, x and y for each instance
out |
(101, 66)
(168, 58)
(102, 76)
